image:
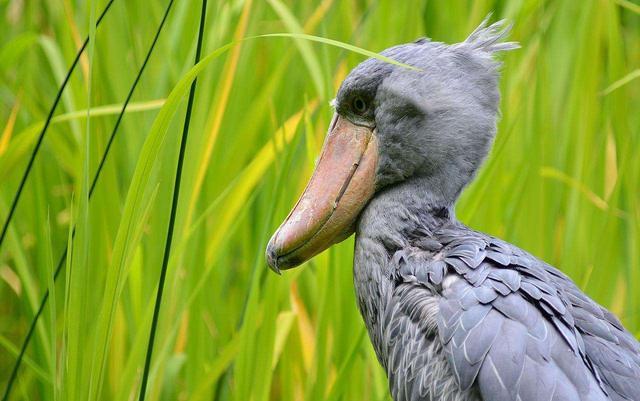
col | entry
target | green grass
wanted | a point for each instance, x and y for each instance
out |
(563, 182)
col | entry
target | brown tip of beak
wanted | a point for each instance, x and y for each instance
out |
(340, 187)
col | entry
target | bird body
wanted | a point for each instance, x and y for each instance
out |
(453, 314)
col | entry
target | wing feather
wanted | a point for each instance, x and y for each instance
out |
(511, 326)
(506, 325)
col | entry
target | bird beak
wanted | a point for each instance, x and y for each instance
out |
(340, 187)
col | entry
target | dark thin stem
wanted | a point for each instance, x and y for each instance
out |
(172, 215)
(18, 194)
(32, 327)
(129, 95)
(63, 257)
(16, 197)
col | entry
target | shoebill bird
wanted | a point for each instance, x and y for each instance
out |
(453, 314)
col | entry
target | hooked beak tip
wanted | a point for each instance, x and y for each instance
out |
(272, 258)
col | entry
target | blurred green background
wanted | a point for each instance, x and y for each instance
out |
(563, 182)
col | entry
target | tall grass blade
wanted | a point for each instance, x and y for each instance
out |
(342, 45)
(16, 198)
(621, 82)
(128, 99)
(217, 110)
(629, 5)
(62, 259)
(172, 216)
(309, 57)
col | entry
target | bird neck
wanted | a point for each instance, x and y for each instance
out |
(406, 211)
(394, 219)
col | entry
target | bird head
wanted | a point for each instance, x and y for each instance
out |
(435, 121)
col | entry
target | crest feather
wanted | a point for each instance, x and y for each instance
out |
(488, 38)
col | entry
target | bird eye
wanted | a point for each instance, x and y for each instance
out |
(359, 105)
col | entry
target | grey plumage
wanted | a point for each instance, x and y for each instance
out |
(509, 326)
(455, 314)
